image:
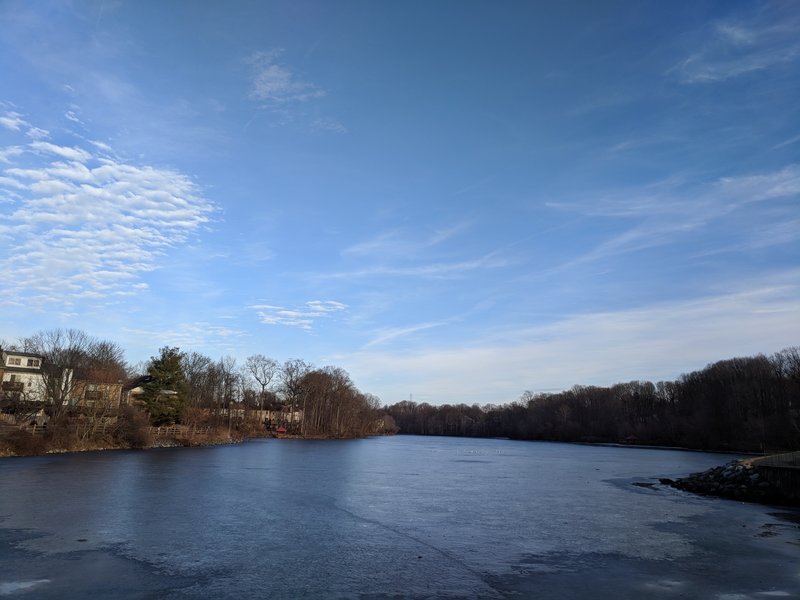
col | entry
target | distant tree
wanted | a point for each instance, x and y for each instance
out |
(291, 376)
(165, 394)
(105, 364)
(196, 369)
(263, 369)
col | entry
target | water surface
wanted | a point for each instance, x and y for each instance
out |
(398, 517)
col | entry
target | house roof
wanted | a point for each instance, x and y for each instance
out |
(137, 382)
(29, 354)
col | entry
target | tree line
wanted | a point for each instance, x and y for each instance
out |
(330, 403)
(187, 387)
(747, 404)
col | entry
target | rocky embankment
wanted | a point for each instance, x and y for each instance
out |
(739, 480)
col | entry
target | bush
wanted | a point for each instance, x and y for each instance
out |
(133, 427)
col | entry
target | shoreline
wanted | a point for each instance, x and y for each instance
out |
(745, 480)
(175, 443)
(603, 444)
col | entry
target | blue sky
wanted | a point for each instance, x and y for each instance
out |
(455, 200)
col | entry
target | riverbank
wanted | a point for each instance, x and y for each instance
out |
(24, 443)
(765, 480)
(21, 443)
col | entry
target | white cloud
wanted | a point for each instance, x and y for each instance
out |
(73, 117)
(70, 153)
(100, 145)
(275, 84)
(753, 188)
(9, 152)
(37, 134)
(13, 121)
(82, 227)
(304, 317)
(653, 342)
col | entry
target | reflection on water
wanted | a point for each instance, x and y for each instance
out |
(387, 517)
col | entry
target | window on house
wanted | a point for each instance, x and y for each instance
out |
(33, 362)
(14, 361)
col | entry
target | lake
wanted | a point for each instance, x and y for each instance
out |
(384, 518)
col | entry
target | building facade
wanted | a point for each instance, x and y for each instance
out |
(22, 378)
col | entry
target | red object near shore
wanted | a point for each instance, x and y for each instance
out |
(280, 430)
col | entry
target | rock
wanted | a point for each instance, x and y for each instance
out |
(734, 480)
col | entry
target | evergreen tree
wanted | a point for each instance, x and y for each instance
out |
(165, 394)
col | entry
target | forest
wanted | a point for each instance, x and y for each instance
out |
(740, 404)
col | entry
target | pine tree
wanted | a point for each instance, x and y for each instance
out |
(165, 394)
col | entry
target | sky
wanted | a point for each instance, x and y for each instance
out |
(453, 201)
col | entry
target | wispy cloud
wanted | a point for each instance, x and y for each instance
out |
(303, 317)
(13, 121)
(433, 270)
(70, 153)
(789, 142)
(666, 212)
(275, 84)
(384, 336)
(70, 114)
(328, 124)
(657, 341)
(761, 41)
(82, 226)
(36, 133)
(397, 243)
(7, 153)
(199, 334)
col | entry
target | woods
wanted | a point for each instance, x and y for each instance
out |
(748, 404)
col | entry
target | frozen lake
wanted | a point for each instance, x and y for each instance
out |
(389, 518)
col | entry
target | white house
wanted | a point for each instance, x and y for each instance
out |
(22, 376)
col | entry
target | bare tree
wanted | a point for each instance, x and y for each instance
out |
(196, 369)
(263, 370)
(105, 363)
(292, 373)
(63, 351)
